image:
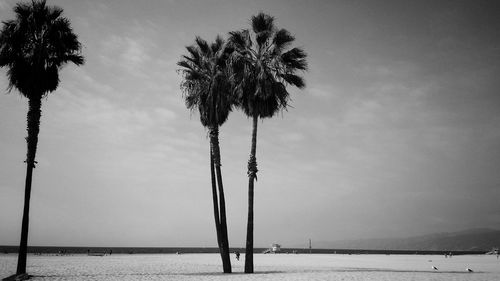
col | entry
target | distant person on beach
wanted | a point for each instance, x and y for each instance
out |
(237, 255)
(110, 252)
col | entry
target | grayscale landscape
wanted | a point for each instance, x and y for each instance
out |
(249, 140)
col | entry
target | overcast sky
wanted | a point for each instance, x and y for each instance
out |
(396, 134)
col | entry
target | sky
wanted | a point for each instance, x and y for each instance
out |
(396, 134)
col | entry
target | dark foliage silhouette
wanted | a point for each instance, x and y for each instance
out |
(33, 48)
(207, 89)
(263, 65)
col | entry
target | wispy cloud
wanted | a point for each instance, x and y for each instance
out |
(322, 91)
(125, 52)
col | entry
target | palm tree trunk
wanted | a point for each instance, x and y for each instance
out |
(226, 261)
(215, 203)
(33, 120)
(252, 175)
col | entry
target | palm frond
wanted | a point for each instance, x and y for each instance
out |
(262, 22)
(190, 59)
(295, 59)
(23, 10)
(282, 38)
(195, 54)
(262, 38)
(294, 80)
(185, 64)
(54, 13)
(240, 39)
(202, 45)
(217, 44)
(77, 59)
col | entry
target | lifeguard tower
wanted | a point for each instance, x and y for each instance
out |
(275, 248)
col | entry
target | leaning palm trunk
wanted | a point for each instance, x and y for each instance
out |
(33, 120)
(214, 140)
(215, 203)
(252, 175)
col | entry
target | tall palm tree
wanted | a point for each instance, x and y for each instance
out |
(207, 89)
(263, 66)
(34, 46)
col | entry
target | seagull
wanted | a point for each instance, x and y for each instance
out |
(469, 270)
(435, 268)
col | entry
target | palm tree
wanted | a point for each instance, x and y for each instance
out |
(206, 88)
(263, 66)
(34, 46)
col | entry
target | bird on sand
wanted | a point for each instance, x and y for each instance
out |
(469, 270)
(435, 268)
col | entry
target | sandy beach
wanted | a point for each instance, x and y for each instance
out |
(267, 267)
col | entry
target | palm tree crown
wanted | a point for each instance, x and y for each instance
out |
(263, 65)
(205, 84)
(35, 45)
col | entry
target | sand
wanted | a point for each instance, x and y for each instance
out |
(268, 267)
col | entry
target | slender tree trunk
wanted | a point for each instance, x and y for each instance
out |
(215, 203)
(252, 175)
(226, 261)
(33, 120)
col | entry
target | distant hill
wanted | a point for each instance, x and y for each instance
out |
(468, 240)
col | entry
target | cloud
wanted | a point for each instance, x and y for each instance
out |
(104, 119)
(122, 51)
(322, 91)
(6, 5)
(135, 53)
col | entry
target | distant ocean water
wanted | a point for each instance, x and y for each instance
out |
(114, 250)
(200, 250)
